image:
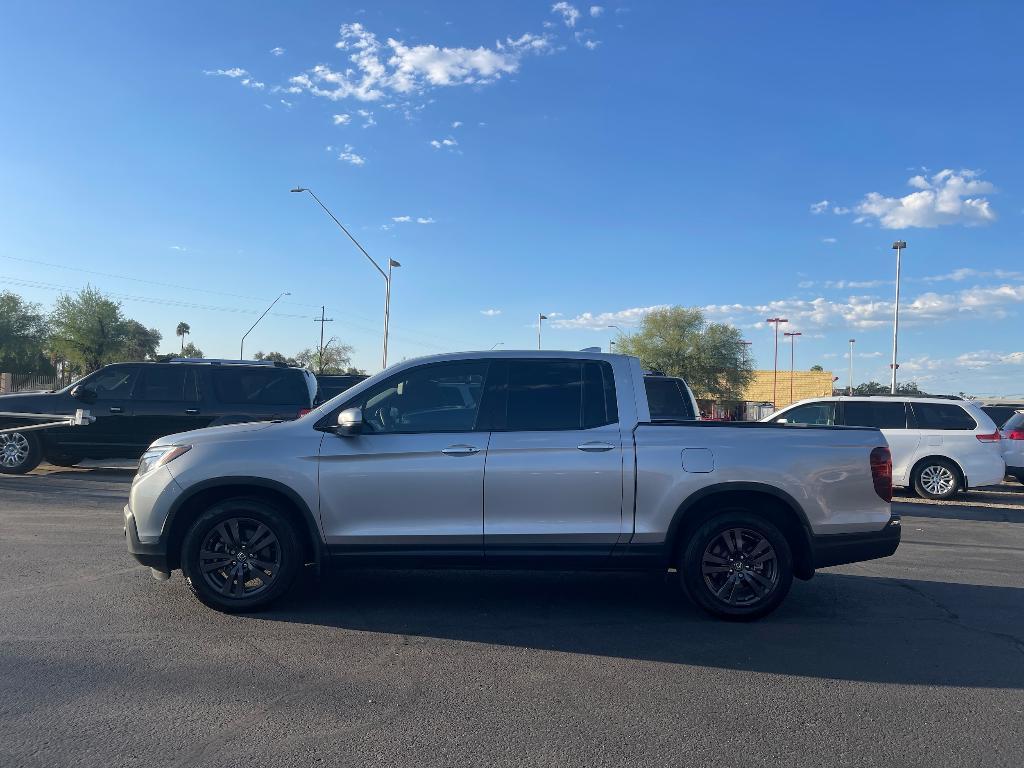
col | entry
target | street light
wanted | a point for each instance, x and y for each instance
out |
(385, 275)
(621, 333)
(540, 318)
(498, 345)
(792, 360)
(775, 379)
(241, 346)
(850, 389)
(898, 246)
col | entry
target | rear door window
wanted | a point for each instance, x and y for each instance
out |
(544, 395)
(260, 386)
(810, 413)
(166, 382)
(943, 416)
(875, 413)
(667, 400)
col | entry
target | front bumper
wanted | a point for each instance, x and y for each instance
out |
(840, 548)
(151, 554)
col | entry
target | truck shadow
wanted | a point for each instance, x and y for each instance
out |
(837, 626)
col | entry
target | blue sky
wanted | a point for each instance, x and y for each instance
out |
(584, 161)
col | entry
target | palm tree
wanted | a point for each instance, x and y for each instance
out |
(182, 330)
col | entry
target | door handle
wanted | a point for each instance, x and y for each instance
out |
(116, 409)
(191, 411)
(595, 447)
(460, 450)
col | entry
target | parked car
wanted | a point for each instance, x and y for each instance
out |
(939, 446)
(1000, 413)
(1013, 445)
(136, 403)
(332, 385)
(578, 475)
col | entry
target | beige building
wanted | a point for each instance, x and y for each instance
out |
(805, 384)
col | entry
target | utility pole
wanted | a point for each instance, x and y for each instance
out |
(898, 246)
(540, 318)
(775, 379)
(849, 390)
(322, 320)
(792, 361)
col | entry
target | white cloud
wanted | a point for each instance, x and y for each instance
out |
(958, 275)
(819, 207)
(425, 220)
(349, 156)
(569, 13)
(947, 197)
(239, 74)
(343, 119)
(449, 142)
(987, 358)
(829, 240)
(178, 248)
(596, 10)
(401, 219)
(277, 51)
(490, 312)
(457, 124)
(601, 320)
(410, 219)
(367, 115)
(287, 104)
(378, 68)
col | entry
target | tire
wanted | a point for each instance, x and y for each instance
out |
(19, 453)
(750, 586)
(60, 460)
(937, 479)
(214, 580)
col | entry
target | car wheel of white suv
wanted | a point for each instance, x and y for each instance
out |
(937, 479)
(737, 566)
(240, 555)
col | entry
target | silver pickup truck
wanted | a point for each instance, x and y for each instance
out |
(511, 460)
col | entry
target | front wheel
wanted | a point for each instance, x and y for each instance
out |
(19, 453)
(737, 566)
(240, 555)
(936, 479)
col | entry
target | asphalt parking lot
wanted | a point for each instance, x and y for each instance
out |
(916, 660)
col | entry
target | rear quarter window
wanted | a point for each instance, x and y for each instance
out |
(942, 416)
(270, 386)
(667, 400)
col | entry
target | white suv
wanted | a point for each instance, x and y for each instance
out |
(939, 446)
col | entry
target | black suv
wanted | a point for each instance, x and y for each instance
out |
(331, 385)
(136, 403)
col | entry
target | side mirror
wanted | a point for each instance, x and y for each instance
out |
(350, 422)
(84, 394)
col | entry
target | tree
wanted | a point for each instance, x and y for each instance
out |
(183, 330)
(874, 388)
(88, 329)
(140, 342)
(817, 368)
(336, 358)
(276, 357)
(191, 350)
(23, 334)
(679, 341)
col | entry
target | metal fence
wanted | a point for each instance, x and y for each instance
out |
(29, 382)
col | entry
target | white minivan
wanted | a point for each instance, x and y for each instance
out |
(939, 446)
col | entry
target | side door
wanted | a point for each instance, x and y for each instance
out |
(112, 434)
(890, 416)
(165, 401)
(554, 474)
(412, 482)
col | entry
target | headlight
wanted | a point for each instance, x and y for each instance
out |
(157, 457)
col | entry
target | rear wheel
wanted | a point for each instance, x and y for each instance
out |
(240, 555)
(936, 479)
(63, 460)
(19, 453)
(737, 566)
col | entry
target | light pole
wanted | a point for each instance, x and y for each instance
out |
(498, 345)
(612, 342)
(611, 345)
(775, 379)
(850, 388)
(792, 361)
(540, 318)
(898, 246)
(241, 346)
(385, 275)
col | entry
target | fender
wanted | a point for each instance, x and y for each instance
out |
(313, 529)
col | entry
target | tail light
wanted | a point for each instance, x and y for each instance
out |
(1016, 434)
(992, 437)
(881, 473)
(302, 412)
